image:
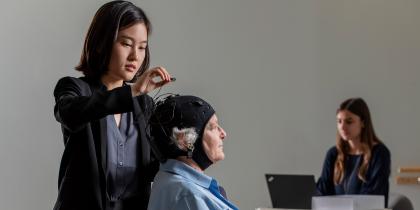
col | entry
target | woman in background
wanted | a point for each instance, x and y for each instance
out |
(107, 161)
(359, 163)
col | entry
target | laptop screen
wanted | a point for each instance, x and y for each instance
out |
(291, 191)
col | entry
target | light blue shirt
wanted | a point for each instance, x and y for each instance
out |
(178, 186)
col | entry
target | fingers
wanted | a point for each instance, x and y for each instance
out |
(160, 72)
(161, 83)
(146, 82)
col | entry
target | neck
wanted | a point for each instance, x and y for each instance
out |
(190, 162)
(111, 82)
(355, 146)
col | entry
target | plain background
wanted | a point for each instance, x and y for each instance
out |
(275, 71)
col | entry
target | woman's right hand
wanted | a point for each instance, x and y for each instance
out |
(145, 83)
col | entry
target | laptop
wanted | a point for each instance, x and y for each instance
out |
(289, 191)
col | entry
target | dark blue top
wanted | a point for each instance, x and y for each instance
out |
(377, 175)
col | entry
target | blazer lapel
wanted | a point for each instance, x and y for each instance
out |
(139, 120)
(142, 124)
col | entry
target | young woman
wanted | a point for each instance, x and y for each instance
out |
(107, 162)
(359, 163)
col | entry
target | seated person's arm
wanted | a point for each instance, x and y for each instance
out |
(325, 184)
(377, 181)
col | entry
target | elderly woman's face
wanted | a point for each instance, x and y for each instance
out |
(213, 137)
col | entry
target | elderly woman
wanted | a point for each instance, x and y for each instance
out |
(188, 139)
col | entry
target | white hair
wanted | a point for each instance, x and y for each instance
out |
(182, 137)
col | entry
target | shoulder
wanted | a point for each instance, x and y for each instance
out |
(67, 82)
(178, 183)
(72, 80)
(185, 186)
(171, 191)
(332, 152)
(73, 86)
(380, 150)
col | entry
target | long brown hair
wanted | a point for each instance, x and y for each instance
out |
(368, 139)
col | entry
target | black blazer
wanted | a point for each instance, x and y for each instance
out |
(81, 105)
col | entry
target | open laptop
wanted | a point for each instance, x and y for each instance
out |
(291, 191)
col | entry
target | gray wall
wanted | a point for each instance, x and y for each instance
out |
(275, 70)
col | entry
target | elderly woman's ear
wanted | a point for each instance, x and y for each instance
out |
(180, 138)
(184, 138)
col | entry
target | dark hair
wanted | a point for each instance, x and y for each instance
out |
(108, 20)
(368, 139)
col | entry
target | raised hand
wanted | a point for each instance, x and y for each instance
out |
(147, 81)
